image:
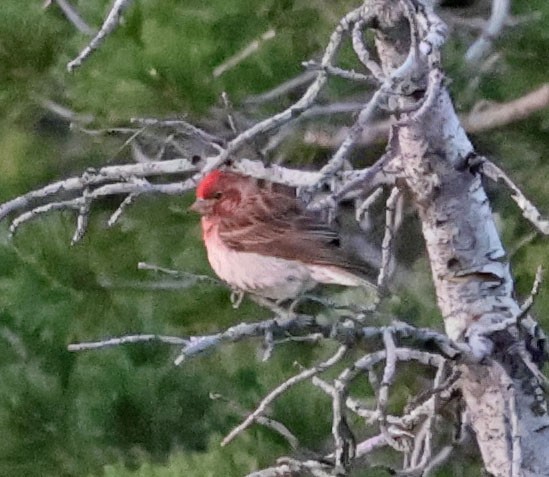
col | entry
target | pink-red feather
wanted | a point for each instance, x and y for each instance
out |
(208, 184)
(260, 238)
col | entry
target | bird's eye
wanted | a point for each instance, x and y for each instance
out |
(218, 195)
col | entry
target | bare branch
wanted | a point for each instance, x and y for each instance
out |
(243, 54)
(344, 440)
(529, 211)
(69, 204)
(495, 115)
(196, 344)
(97, 177)
(383, 393)
(64, 112)
(129, 200)
(364, 181)
(516, 458)
(83, 216)
(438, 460)
(302, 104)
(262, 420)
(525, 308)
(498, 17)
(181, 126)
(478, 23)
(492, 116)
(393, 218)
(338, 159)
(130, 180)
(304, 375)
(369, 445)
(282, 89)
(129, 339)
(340, 72)
(73, 16)
(109, 25)
(370, 416)
(178, 273)
(422, 452)
(363, 54)
(365, 205)
(289, 467)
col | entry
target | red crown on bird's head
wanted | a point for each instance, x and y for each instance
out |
(208, 183)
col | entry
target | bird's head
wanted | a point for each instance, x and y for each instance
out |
(222, 191)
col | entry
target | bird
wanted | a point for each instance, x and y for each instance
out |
(260, 239)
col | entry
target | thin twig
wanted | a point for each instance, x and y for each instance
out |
(340, 72)
(129, 339)
(365, 205)
(129, 200)
(383, 393)
(306, 100)
(282, 388)
(74, 17)
(498, 17)
(363, 54)
(243, 54)
(282, 89)
(392, 222)
(538, 279)
(516, 453)
(98, 177)
(492, 116)
(62, 205)
(344, 440)
(442, 456)
(264, 421)
(289, 467)
(181, 126)
(83, 217)
(178, 273)
(227, 105)
(109, 25)
(529, 211)
(64, 112)
(369, 445)
(195, 345)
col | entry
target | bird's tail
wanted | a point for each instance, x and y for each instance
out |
(339, 276)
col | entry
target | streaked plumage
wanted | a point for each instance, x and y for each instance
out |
(260, 239)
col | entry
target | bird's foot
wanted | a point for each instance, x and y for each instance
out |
(294, 304)
(274, 306)
(236, 298)
(333, 305)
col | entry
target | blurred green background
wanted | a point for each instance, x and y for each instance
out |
(128, 411)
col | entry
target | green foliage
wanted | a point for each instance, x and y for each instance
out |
(127, 411)
(250, 453)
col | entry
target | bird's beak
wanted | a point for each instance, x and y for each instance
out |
(202, 206)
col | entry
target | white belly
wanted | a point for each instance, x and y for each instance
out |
(270, 277)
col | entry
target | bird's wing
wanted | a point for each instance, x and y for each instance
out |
(277, 225)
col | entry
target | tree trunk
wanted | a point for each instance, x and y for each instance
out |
(471, 272)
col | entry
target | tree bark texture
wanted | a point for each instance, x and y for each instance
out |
(437, 164)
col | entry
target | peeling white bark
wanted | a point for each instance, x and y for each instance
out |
(430, 155)
(472, 282)
(471, 273)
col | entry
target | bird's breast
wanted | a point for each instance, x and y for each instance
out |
(209, 227)
(268, 276)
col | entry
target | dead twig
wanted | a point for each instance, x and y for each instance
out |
(304, 375)
(109, 25)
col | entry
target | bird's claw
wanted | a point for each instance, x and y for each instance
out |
(236, 298)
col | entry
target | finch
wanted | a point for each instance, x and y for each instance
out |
(261, 239)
